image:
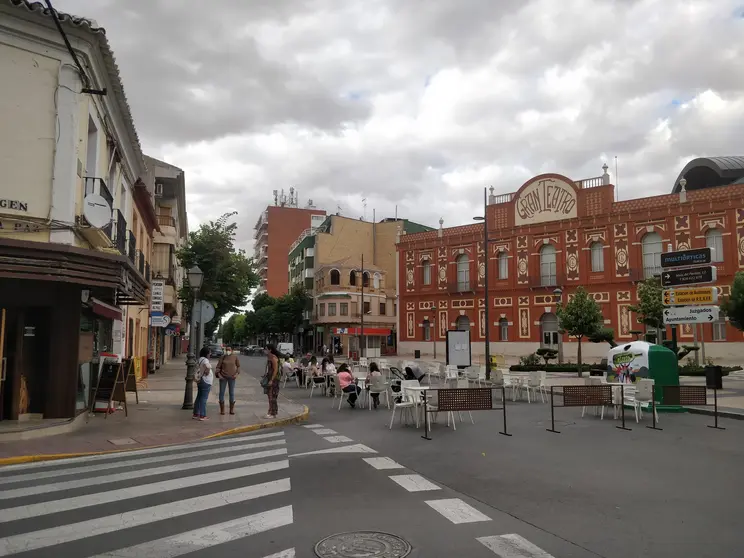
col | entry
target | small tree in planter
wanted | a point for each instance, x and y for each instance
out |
(580, 317)
(604, 335)
(733, 305)
(547, 354)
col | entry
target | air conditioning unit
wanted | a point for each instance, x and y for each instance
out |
(158, 190)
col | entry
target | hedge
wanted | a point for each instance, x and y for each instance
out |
(574, 368)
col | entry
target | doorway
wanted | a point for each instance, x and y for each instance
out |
(549, 330)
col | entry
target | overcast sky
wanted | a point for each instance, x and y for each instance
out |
(422, 103)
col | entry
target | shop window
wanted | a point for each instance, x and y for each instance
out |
(714, 241)
(597, 252)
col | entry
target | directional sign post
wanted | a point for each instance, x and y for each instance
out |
(691, 315)
(683, 258)
(689, 276)
(690, 295)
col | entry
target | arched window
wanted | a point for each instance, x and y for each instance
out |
(504, 329)
(335, 277)
(462, 323)
(597, 251)
(503, 260)
(365, 279)
(714, 241)
(427, 330)
(376, 281)
(548, 266)
(426, 272)
(463, 273)
(352, 278)
(651, 244)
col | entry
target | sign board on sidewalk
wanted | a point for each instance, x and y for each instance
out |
(684, 258)
(691, 276)
(157, 295)
(690, 295)
(690, 315)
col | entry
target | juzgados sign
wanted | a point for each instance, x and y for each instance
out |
(547, 199)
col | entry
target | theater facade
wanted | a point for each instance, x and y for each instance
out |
(555, 234)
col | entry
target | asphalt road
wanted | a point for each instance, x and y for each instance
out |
(593, 490)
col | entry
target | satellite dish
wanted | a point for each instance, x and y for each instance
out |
(96, 211)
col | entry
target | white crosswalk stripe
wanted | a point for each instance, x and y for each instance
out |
(513, 546)
(227, 491)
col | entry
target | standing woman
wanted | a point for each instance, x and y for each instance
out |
(270, 381)
(204, 378)
(228, 369)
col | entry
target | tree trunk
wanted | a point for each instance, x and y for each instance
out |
(578, 355)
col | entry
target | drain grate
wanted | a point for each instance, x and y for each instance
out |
(362, 544)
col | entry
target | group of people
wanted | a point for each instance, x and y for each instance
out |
(227, 370)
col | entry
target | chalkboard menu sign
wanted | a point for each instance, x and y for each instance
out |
(111, 385)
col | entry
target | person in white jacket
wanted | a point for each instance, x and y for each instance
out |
(204, 378)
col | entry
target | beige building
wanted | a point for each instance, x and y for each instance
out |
(336, 262)
(76, 214)
(170, 206)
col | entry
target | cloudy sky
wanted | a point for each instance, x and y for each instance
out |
(422, 103)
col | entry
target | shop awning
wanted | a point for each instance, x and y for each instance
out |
(106, 310)
(358, 331)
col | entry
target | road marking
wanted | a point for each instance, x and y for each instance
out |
(457, 511)
(55, 473)
(106, 479)
(313, 426)
(289, 553)
(206, 537)
(324, 431)
(414, 483)
(143, 516)
(337, 439)
(134, 453)
(356, 448)
(513, 546)
(87, 500)
(382, 463)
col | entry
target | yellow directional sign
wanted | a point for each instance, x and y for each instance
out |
(690, 295)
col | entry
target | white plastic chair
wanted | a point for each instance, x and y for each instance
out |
(408, 402)
(643, 396)
(341, 393)
(378, 386)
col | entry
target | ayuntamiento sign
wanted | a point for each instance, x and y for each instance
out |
(544, 200)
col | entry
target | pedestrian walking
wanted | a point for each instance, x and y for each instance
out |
(270, 380)
(204, 378)
(228, 369)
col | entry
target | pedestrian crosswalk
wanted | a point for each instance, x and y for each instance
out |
(163, 502)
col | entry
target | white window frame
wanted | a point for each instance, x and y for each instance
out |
(503, 261)
(463, 272)
(714, 241)
(548, 268)
(597, 256)
(652, 250)
(426, 272)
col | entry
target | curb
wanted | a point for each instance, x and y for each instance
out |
(723, 414)
(18, 459)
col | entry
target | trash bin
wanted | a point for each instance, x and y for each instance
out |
(713, 377)
(416, 354)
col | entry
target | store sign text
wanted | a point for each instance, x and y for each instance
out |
(18, 226)
(15, 205)
(545, 200)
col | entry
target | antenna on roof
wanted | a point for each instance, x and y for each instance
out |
(364, 204)
(617, 188)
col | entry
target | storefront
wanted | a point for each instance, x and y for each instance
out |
(59, 308)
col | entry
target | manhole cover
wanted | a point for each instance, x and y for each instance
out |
(362, 544)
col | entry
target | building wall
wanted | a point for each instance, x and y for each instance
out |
(520, 299)
(348, 240)
(285, 224)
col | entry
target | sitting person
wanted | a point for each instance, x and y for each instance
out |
(314, 372)
(328, 369)
(348, 385)
(374, 372)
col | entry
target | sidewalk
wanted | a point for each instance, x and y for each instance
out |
(158, 420)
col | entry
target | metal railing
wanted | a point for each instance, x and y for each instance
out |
(590, 182)
(94, 185)
(132, 248)
(643, 273)
(303, 235)
(120, 232)
(460, 287)
(551, 279)
(166, 221)
(503, 198)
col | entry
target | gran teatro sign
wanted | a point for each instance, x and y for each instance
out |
(544, 200)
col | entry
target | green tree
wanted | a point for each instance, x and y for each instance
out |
(580, 317)
(604, 335)
(650, 307)
(733, 305)
(227, 332)
(239, 328)
(229, 274)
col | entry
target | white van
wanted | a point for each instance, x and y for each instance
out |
(285, 348)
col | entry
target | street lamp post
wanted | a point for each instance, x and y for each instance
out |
(195, 277)
(487, 332)
(558, 292)
(433, 329)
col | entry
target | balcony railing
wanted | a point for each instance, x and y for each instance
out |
(141, 262)
(132, 248)
(303, 235)
(643, 273)
(503, 198)
(547, 280)
(590, 182)
(147, 271)
(120, 232)
(98, 186)
(461, 286)
(166, 221)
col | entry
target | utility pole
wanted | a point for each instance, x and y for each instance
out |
(361, 336)
(485, 284)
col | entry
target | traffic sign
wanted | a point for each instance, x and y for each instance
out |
(684, 258)
(690, 276)
(690, 315)
(204, 312)
(690, 295)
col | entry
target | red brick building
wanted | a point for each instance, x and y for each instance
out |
(555, 234)
(276, 230)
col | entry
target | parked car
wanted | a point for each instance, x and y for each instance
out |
(216, 350)
(252, 350)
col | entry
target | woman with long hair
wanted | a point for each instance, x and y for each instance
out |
(204, 378)
(270, 381)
